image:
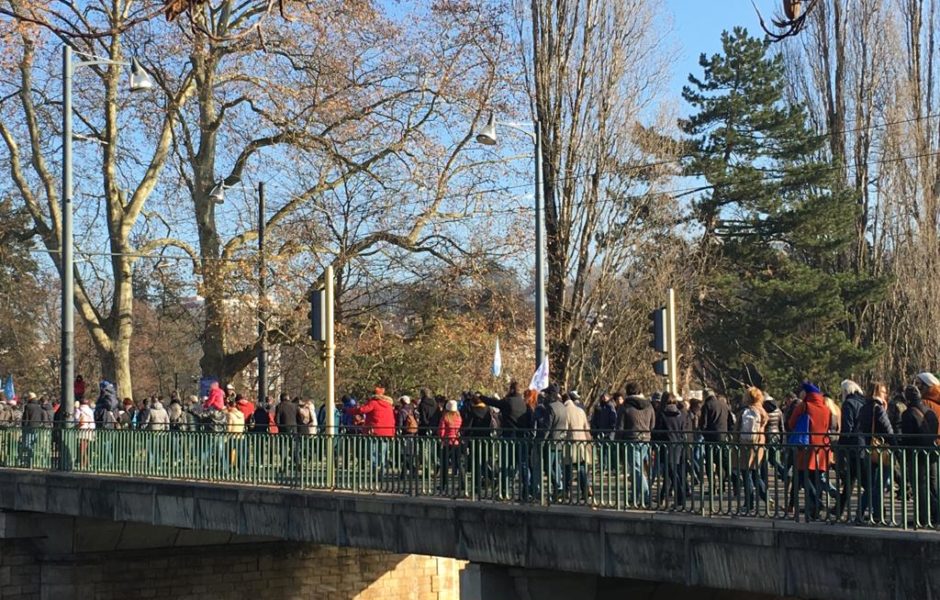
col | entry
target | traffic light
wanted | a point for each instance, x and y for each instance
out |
(659, 341)
(661, 367)
(318, 315)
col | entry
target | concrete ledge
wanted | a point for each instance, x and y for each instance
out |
(783, 558)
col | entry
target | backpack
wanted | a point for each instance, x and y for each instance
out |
(800, 434)
(750, 425)
(411, 423)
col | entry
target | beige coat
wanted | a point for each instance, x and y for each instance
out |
(579, 446)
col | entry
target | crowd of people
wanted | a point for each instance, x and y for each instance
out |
(819, 446)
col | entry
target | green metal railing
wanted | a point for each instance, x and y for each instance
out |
(888, 486)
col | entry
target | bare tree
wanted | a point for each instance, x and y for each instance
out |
(597, 66)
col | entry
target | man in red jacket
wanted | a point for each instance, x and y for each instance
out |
(379, 412)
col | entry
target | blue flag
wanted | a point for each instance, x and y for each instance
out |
(8, 390)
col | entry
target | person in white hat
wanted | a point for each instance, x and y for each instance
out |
(929, 387)
(449, 432)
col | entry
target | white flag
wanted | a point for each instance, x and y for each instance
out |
(540, 379)
(497, 361)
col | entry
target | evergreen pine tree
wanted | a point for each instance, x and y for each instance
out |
(777, 306)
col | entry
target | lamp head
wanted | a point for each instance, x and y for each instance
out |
(487, 135)
(140, 79)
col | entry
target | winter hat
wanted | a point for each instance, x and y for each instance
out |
(30, 396)
(230, 387)
(849, 387)
(451, 406)
(405, 399)
(574, 395)
(810, 388)
(928, 379)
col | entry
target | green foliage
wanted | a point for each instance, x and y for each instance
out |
(776, 227)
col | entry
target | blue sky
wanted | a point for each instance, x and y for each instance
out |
(697, 27)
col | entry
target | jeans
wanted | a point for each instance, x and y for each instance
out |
(638, 459)
(873, 488)
(554, 455)
(673, 481)
(753, 481)
(581, 469)
(810, 482)
(451, 464)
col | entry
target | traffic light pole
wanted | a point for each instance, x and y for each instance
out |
(330, 356)
(671, 335)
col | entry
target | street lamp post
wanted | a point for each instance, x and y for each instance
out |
(217, 195)
(488, 137)
(262, 298)
(139, 80)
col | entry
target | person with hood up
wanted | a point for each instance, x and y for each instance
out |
(809, 423)
(635, 421)
(849, 444)
(428, 412)
(157, 419)
(672, 425)
(448, 431)
(347, 420)
(920, 427)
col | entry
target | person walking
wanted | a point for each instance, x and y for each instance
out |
(751, 437)
(874, 428)
(809, 424)
(671, 439)
(921, 427)
(850, 444)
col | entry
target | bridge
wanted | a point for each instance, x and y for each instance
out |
(73, 509)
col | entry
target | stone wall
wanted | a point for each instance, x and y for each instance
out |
(256, 571)
(19, 571)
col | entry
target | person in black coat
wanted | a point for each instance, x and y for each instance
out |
(715, 420)
(873, 422)
(603, 418)
(512, 412)
(920, 427)
(672, 425)
(286, 415)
